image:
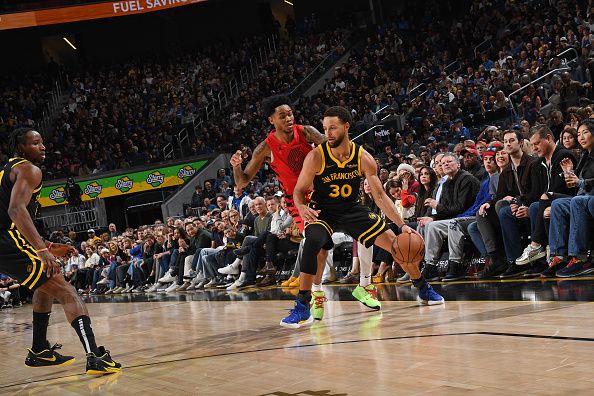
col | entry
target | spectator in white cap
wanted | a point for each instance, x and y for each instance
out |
(93, 239)
(407, 175)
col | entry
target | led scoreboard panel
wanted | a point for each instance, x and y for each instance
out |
(54, 16)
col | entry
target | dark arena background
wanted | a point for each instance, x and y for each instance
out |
(477, 113)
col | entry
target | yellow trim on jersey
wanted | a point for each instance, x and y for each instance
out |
(342, 164)
(382, 227)
(26, 244)
(38, 189)
(18, 163)
(370, 228)
(30, 248)
(326, 226)
(31, 257)
(323, 160)
(359, 160)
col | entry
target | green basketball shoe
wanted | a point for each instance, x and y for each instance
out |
(317, 304)
(367, 296)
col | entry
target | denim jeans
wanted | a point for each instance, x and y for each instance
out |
(571, 226)
(512, 231)
(477, 238)
(112, 274)
(163, 263)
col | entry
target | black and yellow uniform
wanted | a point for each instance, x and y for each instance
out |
(336, 195)
(17, 257)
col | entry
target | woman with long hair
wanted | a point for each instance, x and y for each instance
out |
(568, 139)
(428, 183)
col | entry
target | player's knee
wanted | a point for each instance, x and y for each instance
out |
(315, 237)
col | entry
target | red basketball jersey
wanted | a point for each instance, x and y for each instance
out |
(287, 159)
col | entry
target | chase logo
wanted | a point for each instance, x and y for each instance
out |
(124, 184)
(58, 195)
(186, 172)
(155, 178)
(93, 189)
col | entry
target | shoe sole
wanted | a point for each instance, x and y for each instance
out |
(430, 303)
(377, 308)
(297, 325)
(66, 363)
(108, 370)
(531, 259)
(583, 272)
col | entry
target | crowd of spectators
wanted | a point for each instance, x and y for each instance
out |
(429, 70)
(123, 115)
(502, 186)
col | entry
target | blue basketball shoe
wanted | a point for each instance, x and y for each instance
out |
(298, 316)
(428, 296)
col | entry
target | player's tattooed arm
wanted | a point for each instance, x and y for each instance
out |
(243, 176)
(312, 135)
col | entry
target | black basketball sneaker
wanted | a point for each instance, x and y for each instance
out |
(101, 363)
(48, 357)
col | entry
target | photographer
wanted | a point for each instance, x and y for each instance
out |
(73, 192)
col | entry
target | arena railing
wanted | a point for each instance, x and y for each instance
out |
(230, 90)
(331, 57)
(564, 61)
(483, 45)
(525, 87)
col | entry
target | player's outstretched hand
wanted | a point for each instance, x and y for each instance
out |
(308, 214)
(236, 159)
(49, 261)
(61, 249)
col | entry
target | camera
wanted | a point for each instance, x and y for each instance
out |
(516, 201)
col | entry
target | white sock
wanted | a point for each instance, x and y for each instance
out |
(242, 277)
(236, 263)
(316, 288)
(364, 280)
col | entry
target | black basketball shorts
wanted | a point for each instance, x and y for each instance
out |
(358, 221)
(19, 260)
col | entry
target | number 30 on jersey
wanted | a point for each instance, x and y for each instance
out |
(345, 191)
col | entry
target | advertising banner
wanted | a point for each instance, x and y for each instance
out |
(52, 16)
(105, 187)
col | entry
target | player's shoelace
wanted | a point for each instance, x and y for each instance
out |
(319, 301)
(372, 292)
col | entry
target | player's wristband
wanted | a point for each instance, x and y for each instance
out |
(400, 228)
(42, 250)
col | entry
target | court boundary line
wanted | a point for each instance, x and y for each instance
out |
(487, 333)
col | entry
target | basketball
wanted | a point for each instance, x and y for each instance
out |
(408, 248)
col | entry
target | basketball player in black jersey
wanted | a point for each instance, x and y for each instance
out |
(25, 256)
(335, 170)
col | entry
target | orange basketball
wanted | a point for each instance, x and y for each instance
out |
(408, 248)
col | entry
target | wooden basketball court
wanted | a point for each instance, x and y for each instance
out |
(491, 338)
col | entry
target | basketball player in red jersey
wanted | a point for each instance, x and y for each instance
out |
(284, 148)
